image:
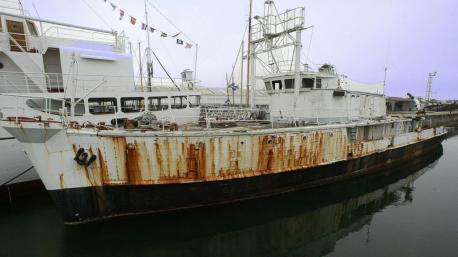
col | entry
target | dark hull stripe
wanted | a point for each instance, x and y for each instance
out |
(89, 203)
(6, 138)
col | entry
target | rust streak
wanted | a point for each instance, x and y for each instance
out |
(103, 167)
(61, 180)
(132, 163)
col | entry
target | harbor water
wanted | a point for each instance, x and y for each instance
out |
(410, 211)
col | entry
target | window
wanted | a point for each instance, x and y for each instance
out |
(32, 29)
(1, 65)
(318, 83)
(179, 102)
(194, 101)
(289, 83)
(158, 103)
(132, 104)
(102, 105)
(54, 106)
(277, 85)
(268, 85)
(308, 82)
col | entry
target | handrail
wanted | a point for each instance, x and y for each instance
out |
(58, 23)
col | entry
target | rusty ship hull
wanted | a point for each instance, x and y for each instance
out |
(115, 200)
(142, 171)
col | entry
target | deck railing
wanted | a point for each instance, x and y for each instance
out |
(19, 82)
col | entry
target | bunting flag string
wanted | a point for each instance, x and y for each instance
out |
(133, 20)
(145, 27)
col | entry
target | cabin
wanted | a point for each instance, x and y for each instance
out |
(43, 56)
(323, 97)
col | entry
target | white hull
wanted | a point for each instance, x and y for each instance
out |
(14, 161)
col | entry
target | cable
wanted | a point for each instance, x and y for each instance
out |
(310, 46)
(168, 75)
(169, 21)
(98, 15)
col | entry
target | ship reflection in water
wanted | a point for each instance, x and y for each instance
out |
(305, 223)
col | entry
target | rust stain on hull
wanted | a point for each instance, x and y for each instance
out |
(150, 160)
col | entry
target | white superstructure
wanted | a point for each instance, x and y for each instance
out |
(48, 69)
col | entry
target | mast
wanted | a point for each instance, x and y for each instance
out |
(249, 57)
(241, 77)
(149, 60)
(195, 62)
(140, 62)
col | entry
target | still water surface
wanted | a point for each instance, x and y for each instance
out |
(413, 211)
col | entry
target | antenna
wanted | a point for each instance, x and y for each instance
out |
(384, 77)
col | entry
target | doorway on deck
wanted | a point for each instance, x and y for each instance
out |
(53, 70)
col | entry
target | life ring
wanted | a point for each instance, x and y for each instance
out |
(190, 85)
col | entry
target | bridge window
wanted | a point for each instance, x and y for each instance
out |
(32, 29)
(308, 82)
(179, 102)
(194, 101)
(268, 85)
(318, 83)
(289, 83)
(158, 103)
(132, 104)
(102, 105)
(277, 85)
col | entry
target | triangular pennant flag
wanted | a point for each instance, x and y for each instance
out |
(121, 14)
(188, 45)
(144, 26)
(133, 20)
(151, 29)
(179, 41)
(177, 34)
(163, 34)
(113, 6)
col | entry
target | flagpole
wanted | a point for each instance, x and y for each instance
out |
(148, 51)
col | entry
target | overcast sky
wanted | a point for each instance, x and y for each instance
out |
(360, 37)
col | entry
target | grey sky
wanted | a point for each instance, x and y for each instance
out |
(360, 37)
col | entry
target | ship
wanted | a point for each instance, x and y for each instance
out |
(322, 128)
(41, 59)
